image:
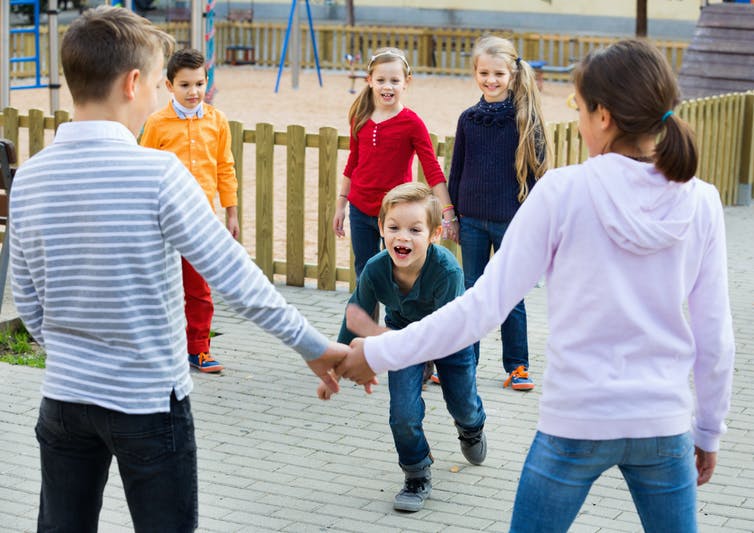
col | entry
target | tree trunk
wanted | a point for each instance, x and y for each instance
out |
(641, 18)
(350, 19)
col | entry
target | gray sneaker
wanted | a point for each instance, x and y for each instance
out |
(473, 445)
(416, 489)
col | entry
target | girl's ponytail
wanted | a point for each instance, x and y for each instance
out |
(676, 155)
(534, 152)
(633, 80)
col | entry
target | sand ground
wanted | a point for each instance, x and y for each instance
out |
(246, 94)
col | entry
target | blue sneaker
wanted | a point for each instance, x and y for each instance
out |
(519, 379)
(204, 362)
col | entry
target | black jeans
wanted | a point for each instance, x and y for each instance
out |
(156, 456)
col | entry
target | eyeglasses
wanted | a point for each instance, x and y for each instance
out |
(571, 102)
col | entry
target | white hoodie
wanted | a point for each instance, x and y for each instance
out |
(622, 250)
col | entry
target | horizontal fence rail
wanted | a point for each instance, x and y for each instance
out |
(430, 50)
(723, 126)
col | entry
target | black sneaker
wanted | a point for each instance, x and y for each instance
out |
(473, 445)
(415, 491)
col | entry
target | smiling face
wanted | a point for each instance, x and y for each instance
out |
(493, 77)
(407, 235)
(188, 86)
(388, 81)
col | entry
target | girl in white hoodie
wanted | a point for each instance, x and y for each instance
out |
(625, 240)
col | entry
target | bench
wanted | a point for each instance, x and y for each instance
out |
(541, 67)
(240, 54)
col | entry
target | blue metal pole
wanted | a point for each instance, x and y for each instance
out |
(285, 44)
(314, 42)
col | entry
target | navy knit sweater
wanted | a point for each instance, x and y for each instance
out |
(482, 181)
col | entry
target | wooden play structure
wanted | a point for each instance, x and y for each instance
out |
(720, 58)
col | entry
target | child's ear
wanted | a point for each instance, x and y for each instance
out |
(130, 81)
(168, 85)
(379, 225)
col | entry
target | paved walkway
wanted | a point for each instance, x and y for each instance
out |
(273, 458)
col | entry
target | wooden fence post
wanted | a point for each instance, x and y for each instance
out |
(295, 206)
(236, 147)
(746, 178)
(328, 165)
(10, 125)
(264, 203)
(36, 130)
(59, 117)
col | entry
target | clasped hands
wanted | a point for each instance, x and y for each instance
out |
(349, 362)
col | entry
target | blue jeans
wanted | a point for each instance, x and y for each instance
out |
(478, 238)
(457, 374)
(365, 238)
(156, 456)
(559, 472)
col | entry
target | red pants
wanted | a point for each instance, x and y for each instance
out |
(199, 309)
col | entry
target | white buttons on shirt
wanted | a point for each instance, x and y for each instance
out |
(374, 136)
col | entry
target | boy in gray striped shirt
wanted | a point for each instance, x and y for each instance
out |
(98, 227)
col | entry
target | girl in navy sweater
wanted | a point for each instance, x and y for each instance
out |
(500, 150)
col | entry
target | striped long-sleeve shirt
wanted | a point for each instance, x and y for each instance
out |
(98, 225)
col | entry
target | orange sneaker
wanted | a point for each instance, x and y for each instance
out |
(519, 379)
(204, 362)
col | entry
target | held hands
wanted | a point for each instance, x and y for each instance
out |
(451, 230)
(324, 364)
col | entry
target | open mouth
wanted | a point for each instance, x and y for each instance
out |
(402, 251)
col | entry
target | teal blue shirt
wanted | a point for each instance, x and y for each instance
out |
(440, 281)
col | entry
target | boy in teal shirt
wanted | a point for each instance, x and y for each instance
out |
(412, 277)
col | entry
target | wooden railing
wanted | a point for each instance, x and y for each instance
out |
(430, 50)
(723, 125)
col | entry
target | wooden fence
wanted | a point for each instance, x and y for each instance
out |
(430, 50)
(723, 125)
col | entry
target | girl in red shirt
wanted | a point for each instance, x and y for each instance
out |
(385, 135)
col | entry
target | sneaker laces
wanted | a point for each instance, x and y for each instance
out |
(519, 372)
(415, 485)
(205, 358)
(471, 441)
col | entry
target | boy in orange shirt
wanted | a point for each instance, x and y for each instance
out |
(199, 135)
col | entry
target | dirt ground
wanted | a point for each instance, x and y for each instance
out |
(246, 94)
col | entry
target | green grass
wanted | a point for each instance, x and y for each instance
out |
(18, 348)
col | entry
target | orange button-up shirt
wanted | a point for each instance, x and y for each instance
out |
(202, 145)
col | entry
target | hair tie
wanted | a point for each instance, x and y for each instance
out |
(666, 115)
(518, 61)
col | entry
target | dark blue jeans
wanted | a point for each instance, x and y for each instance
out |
(365, 238)
(478, 238)
(457, 374)
(156, 456)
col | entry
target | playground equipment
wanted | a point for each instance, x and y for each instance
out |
(293, 21)
(353, 74)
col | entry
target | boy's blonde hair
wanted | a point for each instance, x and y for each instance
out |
(413, 192)
(363, 107)
(103, 44)
(534, 152)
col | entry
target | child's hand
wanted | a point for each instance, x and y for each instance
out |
(231, 221)
(338, 220)
(361, 323)
(451, 230)
(356, 368)
(322, 366)
(323, 393)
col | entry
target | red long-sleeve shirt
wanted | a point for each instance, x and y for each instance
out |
(382, 155)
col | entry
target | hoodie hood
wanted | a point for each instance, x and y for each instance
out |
(639, 208)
